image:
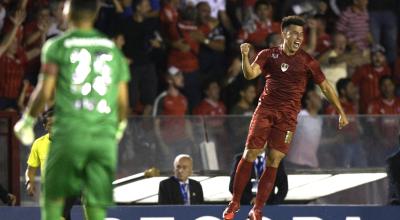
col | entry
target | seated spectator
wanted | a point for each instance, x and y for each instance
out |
(350, 151)
(212, 43)
(250, 191)
(174, 133)
(257, 29)
(307, 138)
(366, 77)
(353, 22)
(7, 197)
(180, 189)
(140, 42)
(386, 128)
(245, 105)
(211, 105)
(171, 101)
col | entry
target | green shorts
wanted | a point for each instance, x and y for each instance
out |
(78, 165)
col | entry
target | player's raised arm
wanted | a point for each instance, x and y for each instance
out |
(330, 94)
(250, 71)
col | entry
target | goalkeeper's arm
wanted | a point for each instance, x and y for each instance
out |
(41, 95)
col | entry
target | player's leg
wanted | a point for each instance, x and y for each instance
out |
(59, 180)
(256, 141)
(52, 208)
(99, 174)
(278, 144)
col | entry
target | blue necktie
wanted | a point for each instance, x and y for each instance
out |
(184, 192)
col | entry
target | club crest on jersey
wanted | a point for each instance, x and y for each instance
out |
(284, 66)
(275, 55)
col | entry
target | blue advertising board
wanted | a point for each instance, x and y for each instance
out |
(213, 212)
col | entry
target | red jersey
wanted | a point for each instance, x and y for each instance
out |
(208, 107)
(256, 31)
(174, 105)
(185, 61)
(351, 111)
(323, 43)
(172, 128)
(12, 74)
(389, 125)
(366, 78)
(286, 79)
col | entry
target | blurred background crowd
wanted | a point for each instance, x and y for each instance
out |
(184, 54)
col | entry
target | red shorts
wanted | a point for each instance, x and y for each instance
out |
(272, 127)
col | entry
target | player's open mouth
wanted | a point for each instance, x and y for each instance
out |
(296, 44)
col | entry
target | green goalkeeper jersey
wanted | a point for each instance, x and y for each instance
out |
(90, 68)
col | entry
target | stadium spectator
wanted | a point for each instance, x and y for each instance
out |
(183, 53)
(169, 15)
(140, 41)
(249, 194)
(37, 159)
(245, 105)
(180, 189)
(366, 77)
(334, 62)
(174, 133)
(353, 22)
(259, 26)
(7, 197)
(13, 60)
(111, 15)
(35, 34)
(350, 152)
(211, 105)
(58, 24)
(386, 128)
(212, 43)
(324, 40)
(383, 24)
(218, 11)
(307, 138)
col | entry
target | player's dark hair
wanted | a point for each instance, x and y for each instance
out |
(47, 114)
(84, 9)
(309, 88)
(383, 79)
(262, 2)
(270, 38)
(342, 84)
(292, 20)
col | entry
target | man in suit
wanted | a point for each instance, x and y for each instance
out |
(250, 190)
(179, 189)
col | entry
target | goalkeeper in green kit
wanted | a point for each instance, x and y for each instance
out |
(86, 77)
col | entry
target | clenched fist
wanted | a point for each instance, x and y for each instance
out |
(245, 48)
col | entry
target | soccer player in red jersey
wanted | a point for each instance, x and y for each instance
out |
(287, 69)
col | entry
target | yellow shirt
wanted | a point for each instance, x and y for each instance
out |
(38, 156)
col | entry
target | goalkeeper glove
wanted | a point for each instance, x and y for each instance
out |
(23, 129)
(121, 129)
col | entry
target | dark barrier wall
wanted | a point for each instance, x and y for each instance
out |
(214, 213)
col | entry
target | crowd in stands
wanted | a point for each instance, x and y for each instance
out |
(184, 54)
